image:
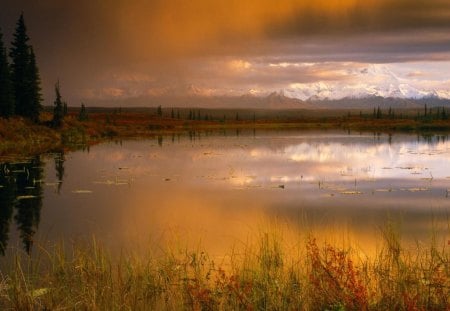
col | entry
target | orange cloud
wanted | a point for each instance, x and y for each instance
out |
(180, 26)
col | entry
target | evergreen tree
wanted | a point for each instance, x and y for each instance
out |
(20, 59)
(83, 115)
(172, 115)
(6, 92)
(34, 87)
(25, 74)
(159, 111)
(379, 113)
(444, 114)
(65, 109)
(58, 112)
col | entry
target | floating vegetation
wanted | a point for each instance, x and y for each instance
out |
(82, 191)
(105, 182)
(116, 182)
(26, 197)
(384, 190)
(418, 189)
(351, 192)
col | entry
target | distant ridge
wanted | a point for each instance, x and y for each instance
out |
(275, 100)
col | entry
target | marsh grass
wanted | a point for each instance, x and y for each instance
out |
(267, 274)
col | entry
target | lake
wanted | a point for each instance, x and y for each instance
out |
(216, 188)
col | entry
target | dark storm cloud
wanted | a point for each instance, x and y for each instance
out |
(84, 43)
(366, 16)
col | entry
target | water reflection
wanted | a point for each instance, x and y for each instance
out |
(59, 159)
(21, 191)
(217, 185)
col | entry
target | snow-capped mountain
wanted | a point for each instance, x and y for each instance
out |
(372, 81)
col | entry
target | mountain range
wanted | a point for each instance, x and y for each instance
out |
(377, 86)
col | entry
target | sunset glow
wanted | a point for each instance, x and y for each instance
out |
(138, 49)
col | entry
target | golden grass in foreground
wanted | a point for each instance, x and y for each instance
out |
(266, 276)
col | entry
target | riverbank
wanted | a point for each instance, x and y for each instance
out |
(269, 274)
(19, 137)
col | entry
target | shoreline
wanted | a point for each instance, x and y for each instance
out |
(20, 137)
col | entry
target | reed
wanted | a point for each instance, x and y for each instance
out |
(269, 274)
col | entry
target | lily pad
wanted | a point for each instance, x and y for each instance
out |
(26, 197)
(82, 191)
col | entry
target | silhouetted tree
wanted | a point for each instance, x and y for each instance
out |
(34, 88)
(58, 112)
(59, 168)
(7, 202)
(444, 115)
(28, 208)
(6, 90)
(159, 111)
(65, 109)
(379, 114)
(172, 114)
(178, 114)
(25, 74)
(83, 115)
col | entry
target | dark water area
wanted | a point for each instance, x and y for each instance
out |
(217, 187)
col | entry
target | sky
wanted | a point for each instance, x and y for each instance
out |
(104, 51)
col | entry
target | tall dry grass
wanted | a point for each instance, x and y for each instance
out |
(266, 275)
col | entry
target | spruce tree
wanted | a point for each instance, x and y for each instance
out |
(83, 116)
(34, 88)
(65, 109)
(25, 74)
(58, 112)
(6, 92)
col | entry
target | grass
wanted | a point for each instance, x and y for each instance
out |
(267, 275)
(19, 136)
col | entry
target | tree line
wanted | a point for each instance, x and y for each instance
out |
(20, 83)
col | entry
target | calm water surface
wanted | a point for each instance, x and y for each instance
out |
(218, 188)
